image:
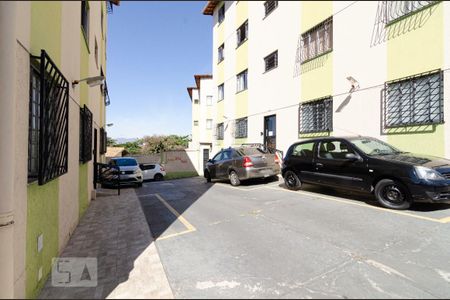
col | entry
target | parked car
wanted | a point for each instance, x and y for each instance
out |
(242, 163)
(152, 171)
(367, 164)
(130, 173)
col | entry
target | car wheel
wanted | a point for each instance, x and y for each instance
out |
(207, 176)
(234, 179)
(139, 184)
(292, 181)
(392, 194)
(158, 177)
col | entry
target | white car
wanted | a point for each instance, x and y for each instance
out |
(153, 171)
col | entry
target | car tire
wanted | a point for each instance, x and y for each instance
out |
(392, 194)
(207, 176)
(158, 177)
(234, 179)
(139, 184)
(292, 181)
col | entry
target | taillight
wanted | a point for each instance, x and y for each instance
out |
(247, 162)
(277, 159)
(162, 168)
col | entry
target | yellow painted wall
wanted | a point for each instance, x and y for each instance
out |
(242, 57)
(241, 98)
(220, 71)
(241, 104)
(241, 12)
(317, 74)
(411, 52)
(220, 111)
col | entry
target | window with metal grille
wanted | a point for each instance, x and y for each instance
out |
(48, 121)
(398, 9)
(271, 61)
(417, 100)
(85, 134)
(221, 14)
(220, 92)
(241, 128)
(220, 53)
(196, 101)
(195, 123)
(242, 33)
(317, 40)
(241, 81)
(270, 6)
(316, 116)
(103, 140)
(219, 132)
(85, 19)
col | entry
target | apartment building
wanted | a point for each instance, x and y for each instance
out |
(202, 100)
(287, 71)
(52, 131)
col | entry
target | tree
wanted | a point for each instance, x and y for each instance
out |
(111, 142)
(160, 143)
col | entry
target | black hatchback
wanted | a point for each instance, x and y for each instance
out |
(369, 165)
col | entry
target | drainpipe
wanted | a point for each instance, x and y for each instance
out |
(7, 113)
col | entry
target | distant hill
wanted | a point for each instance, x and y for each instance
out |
(125, 140)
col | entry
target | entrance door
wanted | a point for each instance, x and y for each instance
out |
(205, 157)
(270, 132)
(94, 152)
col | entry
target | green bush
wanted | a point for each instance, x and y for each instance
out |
(178, 175)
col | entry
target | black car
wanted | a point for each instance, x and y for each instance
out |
(367, 164)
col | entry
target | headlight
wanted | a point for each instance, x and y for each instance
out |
(427, 173)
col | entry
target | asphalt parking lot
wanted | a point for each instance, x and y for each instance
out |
(260, 240)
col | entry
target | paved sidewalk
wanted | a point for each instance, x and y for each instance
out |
(114, 230)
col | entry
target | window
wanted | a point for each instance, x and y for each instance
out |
(270, 6)
(196, 101)
(316, 116)
(271, 61)
(220, 53)
(418, 100)
(85, 19)
(334, 149)
(317, 40)
(103, 140)
(96, 53)
(85, 134)
(209, 100)
(208, 123)
(48, 121)
(241, 128)
(219, 132)
(398, 9)
(101, 21)
(241, 81)
(303, 150)
(221, 14)
(242, 33)
(221, 92)
(195, 123)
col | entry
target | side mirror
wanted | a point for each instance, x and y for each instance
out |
(211, 161)
(351, 157)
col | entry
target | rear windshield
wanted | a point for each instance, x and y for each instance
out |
(251, 151)
(122, 162)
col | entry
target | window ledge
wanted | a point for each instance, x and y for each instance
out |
(316, 57)
(241, 91)
(269, 13)
(267, 71)
(243, 42)
(218, 62)
(220, 100)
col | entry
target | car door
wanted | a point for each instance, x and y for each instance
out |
(212, 165)
(224, 164)
(301, 160)
(333, 168)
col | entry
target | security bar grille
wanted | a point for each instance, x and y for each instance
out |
(317, 40)
(270, 6)
(417, 100)
(219, 131)
(54, 120)
(271, 61)
(398, 9)
(241, 128)
(85, 134)
(316, 116)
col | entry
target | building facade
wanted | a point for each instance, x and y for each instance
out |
(52, 130)
(203, 112)
(287, 71)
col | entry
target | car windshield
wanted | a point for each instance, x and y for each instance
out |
(122, 162)
(374, 147)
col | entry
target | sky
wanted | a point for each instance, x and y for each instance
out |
(154, 49)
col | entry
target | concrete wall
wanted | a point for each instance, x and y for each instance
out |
(173, 161)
